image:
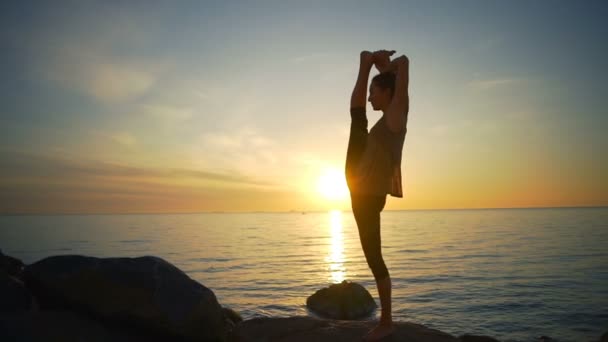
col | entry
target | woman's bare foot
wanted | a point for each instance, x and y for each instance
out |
(379, 331)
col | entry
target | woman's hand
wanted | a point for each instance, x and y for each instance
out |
(394, 64)
(402, 59)
(382, 59)
(367, 58)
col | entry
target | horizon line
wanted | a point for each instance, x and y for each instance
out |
(291, 211)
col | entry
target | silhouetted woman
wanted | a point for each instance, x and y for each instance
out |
(373, 162)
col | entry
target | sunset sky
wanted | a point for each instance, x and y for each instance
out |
(133, 107)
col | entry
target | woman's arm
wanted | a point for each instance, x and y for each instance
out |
(400, 104)
(359, 95)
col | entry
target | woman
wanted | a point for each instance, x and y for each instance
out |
(373, 162)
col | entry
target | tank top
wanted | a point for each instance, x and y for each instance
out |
(379, 170)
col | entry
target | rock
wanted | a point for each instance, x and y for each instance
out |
(14, 297)
(604, 337)
(12, 266)
(145, 292)
(346, 300)
(44, 326)
(231, 315)
(475, 338)
(544, 338)
(306, 329)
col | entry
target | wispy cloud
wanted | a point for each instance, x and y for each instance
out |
(114, 82)
(124, 138)
(243, 149)
(43, 180)
(169, 113)
(34, 166)
(493, 83)
(93, 61)
(106, 78)
(242, 137)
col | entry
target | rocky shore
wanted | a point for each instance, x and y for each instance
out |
(81, 298)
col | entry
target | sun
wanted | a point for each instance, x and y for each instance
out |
(332, 184)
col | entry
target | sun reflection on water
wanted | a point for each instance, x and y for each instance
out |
(335, 259)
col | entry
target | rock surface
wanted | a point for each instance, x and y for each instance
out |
(306, 329)
(11, 266)
(62, 326)
(475, 338)
(231, 316)
(146, 292)
(342, 301)
(14, 297)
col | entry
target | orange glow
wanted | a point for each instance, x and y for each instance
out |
(332, 185)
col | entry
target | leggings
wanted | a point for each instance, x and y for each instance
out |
(366, 207)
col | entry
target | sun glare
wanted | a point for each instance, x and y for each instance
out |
(332, 185)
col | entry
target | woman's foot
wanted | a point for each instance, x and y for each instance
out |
(379, 331)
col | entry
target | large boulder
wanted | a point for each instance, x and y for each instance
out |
(306, 329)
(476, 338)
(231, 317)
(42, 326)
(11, 266)
(344, 301)
(14, 297)
(145, 292)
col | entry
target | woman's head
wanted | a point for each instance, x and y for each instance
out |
(381, 90)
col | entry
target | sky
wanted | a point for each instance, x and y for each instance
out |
(171, 107)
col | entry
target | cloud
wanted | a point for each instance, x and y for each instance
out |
(243, 148)
(481, 85)
(86, 52)
(114, 82)
(124, 138)
(35, 166)
(108, 79)
(222, 140)
(32, 182)
(240, 138)
(169, 113)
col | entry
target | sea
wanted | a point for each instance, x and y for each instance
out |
(513, 274)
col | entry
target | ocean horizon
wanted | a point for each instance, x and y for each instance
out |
(510, 273)
(294, 211)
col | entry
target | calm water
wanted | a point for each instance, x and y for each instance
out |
(513, 274)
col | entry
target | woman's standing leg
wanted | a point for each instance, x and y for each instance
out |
(367, 215)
